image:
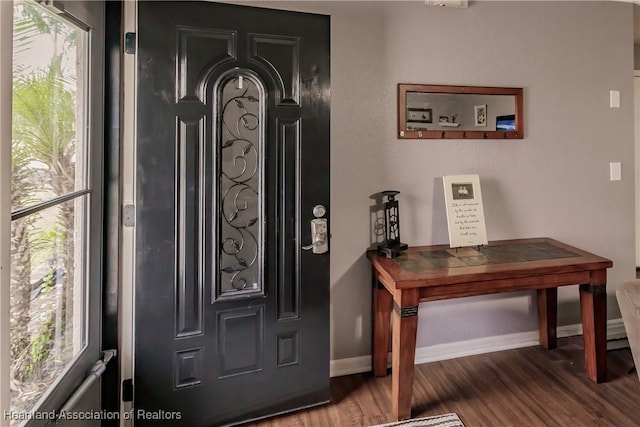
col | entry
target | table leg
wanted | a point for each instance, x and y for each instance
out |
(593, 305)
(548, 317)
(382, 303)
(405, 326)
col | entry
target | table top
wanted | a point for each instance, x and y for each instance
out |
(505, 258)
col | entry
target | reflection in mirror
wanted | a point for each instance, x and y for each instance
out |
(448, 111)
(428, 111)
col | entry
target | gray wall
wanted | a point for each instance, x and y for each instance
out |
(555, 182)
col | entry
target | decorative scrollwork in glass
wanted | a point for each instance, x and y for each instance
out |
(240, 188)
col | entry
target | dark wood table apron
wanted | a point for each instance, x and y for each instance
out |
(432, 273)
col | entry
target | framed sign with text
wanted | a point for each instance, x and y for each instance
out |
(465, 214)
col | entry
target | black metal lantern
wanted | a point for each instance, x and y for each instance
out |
(391, 247)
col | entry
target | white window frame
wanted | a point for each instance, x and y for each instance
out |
(6, 78)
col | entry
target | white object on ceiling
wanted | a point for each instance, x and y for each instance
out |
(447, 3)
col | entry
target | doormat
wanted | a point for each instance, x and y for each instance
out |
(446, 420)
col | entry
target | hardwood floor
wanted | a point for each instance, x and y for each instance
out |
(522, 387)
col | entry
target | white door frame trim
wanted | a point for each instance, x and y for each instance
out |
(128, 170)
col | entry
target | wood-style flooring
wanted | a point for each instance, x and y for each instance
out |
(523, 387)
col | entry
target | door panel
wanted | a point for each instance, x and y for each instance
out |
(232, 316)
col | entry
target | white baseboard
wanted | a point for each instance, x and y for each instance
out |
(356, 365)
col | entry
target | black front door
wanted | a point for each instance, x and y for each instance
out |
(231, 314)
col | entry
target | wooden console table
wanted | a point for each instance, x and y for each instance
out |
(432, 273)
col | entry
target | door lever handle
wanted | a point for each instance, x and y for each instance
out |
(321, 239)
(319, 243)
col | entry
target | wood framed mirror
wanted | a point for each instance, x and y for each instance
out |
(459, 112)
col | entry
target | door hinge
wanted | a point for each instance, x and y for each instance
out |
(127, 390)
(129, 215)
(130, 43)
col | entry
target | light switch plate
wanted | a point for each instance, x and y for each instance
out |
(615, 171)
(614, 98)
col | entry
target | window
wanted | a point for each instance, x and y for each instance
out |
(49, 202)
(55, 231)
